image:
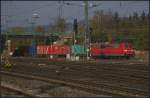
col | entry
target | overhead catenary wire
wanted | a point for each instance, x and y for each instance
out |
(123, 4)
(75, 4)
(21, 14)
(32, 10)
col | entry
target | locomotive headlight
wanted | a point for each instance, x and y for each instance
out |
(125, 50)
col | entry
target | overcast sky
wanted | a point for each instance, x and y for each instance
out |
(21, 12)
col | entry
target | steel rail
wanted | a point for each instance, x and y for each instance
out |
(126, 72)
(75, 85)
(19, 91)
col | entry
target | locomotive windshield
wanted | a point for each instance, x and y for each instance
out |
(127, 45)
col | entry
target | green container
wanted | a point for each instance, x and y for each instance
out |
(78, 49)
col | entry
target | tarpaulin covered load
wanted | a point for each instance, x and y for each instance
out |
(78, 49)
(32, 50)
(53, 49)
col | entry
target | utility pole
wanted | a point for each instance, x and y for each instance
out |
(60, 10)
(34, 17)
(33, 33)
(87, 30)
(6, 53)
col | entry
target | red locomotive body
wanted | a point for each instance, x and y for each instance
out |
(122, 49)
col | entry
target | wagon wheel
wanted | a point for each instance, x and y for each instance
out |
(102, 56)
(127, 56)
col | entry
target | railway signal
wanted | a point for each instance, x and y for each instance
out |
(75, 26)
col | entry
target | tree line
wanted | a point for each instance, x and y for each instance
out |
(106, 26)
(113, 28)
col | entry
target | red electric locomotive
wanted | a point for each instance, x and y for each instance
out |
(112, 50)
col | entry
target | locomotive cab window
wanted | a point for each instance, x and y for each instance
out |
(127, 45)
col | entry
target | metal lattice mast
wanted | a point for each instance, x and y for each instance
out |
(60, 12)
(60, 9)
(87, 30)
(7, 52)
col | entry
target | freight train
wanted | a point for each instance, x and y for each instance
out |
(96, 50)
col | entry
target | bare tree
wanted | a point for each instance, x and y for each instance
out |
(61, 24)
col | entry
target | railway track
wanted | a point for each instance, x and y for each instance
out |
(104, 89)
(71, 75)
(18, 92)
(123, 72)
(113, 61)
(125, 79)
(104, 72)
(136, 67)
(132, 66)
(126, 63)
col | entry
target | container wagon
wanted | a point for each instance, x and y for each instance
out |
(53, 50)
